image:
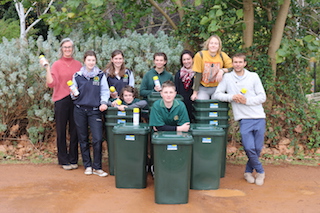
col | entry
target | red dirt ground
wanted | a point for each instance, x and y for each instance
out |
(48, 188)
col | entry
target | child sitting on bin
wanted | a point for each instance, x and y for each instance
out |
(167, 113)
(128, 96)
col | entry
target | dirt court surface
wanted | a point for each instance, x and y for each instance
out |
(48, 188)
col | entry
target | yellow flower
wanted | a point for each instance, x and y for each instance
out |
(243, 91)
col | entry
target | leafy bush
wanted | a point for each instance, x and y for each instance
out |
(24, 97)
(9, 28)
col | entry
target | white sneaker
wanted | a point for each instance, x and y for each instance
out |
(67, 167)
(74, 166)
(88, 171)
(249, 177)
(260, 178)
(100, 172)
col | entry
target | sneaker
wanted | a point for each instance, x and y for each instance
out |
(249, 177)
(74, 166)
(67, 167)
(100, 172)
(260, 178)
(88, 171)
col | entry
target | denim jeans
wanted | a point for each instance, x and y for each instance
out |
(85, 118)
(252, 134)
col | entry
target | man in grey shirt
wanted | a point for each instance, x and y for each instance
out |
(246, 93)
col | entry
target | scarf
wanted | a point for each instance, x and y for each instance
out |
(90, 74)
(186, 76)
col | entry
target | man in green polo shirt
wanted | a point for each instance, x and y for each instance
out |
(168, 114)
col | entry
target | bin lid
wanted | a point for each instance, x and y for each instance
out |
(206, 130)
(172, 137)
(203, 118)
(115, 111)
(129, 128)
(200, 109)
(119, 116)
(209, 101)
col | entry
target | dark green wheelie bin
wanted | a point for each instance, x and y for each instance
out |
(206, 156)
(172, 166)
(114, 117)
(214, 112)
(131, 155)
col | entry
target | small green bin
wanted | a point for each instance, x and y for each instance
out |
(206, 156)
(119, 119)
(210, 112)
(111, 121)
(215, 121)
(224, 151)
(212, 104)
(131, 155)
(115, 111)
(172, 166)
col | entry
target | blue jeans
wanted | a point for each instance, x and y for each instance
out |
(252, 134)
(85, 118)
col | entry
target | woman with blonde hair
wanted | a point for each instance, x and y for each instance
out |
(209, 65)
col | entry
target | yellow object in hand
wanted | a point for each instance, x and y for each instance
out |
(243, 91)
(112, 89)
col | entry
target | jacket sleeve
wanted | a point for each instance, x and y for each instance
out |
(131, 79)
(104, 91)
(144, 91)
(221, 90)
(260, 94)
(139, 104)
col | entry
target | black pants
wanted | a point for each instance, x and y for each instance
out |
(63, 111)
(86, 119)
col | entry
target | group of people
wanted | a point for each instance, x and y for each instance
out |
(209, 74)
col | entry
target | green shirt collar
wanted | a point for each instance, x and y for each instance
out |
(174, 105)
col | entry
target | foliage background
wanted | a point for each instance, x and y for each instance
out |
(139, 29)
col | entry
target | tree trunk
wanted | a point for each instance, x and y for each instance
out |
(171, 22)
(20, 10)
(249, 22)
(180, 10)
(277, 32)
(24, 14)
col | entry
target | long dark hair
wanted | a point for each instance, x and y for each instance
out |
(111, 70)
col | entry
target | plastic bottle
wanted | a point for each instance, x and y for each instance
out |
(136, 116)
(43, 61)
(156, 81)
(73, 88)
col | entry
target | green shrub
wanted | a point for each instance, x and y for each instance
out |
(24, 97)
